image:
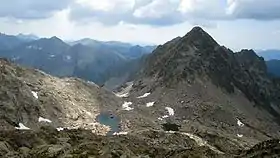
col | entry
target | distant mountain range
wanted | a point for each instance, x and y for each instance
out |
(274, 67)
(108, 63)
(27, 37)
(272, 58)
(126, 49)
(89, 59)
(270, 54)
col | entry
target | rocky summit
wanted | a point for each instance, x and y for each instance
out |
(190, 98)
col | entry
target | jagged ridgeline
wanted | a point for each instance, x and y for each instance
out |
(198, 57)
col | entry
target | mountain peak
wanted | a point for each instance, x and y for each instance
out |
(55, 38)
(199, 37)
(197, 29)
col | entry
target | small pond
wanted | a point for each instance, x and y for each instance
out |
(111, 120)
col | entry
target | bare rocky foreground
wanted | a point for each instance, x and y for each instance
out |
(48, 142)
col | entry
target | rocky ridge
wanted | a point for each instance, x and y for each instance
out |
(210, 88)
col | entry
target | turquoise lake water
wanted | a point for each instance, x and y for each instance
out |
(109, 120)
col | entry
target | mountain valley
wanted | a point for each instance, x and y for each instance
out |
(189, 97)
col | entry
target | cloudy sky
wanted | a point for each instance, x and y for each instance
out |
(234, 23)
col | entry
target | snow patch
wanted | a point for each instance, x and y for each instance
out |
(88, 113)
(22, 127)
(68, 57)
(240, 135)
(52, 56)
(41, 119)
(170, 111)
(34, 47)
(144, 96)
(150, 104)
(59, 129)
(120, 133)
(239, 123)
(125, 95)
(35, 94)
(163, 117)
(160, 118)
(126, 105)
(29, 47)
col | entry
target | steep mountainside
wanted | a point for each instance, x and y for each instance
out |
(198, 56)
(206, 88)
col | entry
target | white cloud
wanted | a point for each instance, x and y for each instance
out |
(31, 9)
(107, 5)
(105, 11)
(254, 9)
(202, 8)
(152, 10)
(149, 12)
